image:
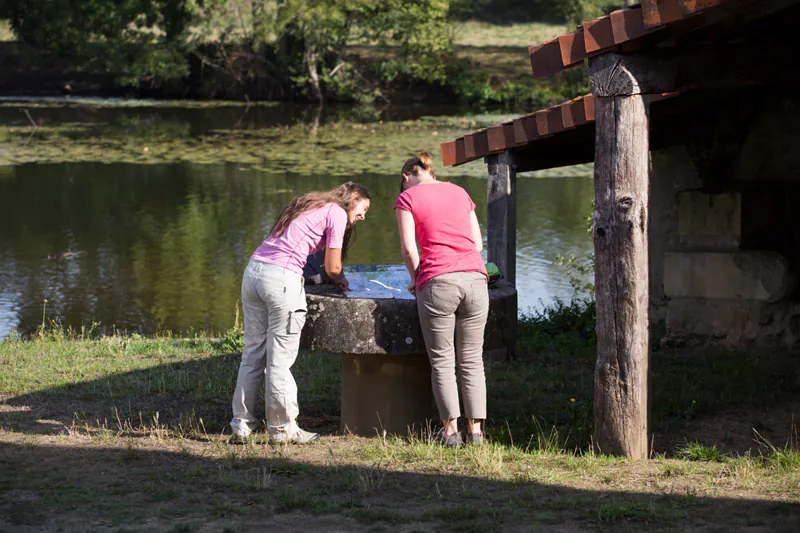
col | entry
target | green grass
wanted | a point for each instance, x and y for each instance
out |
(694, 451)
(132, 430)
(294, 501)
(476, 33)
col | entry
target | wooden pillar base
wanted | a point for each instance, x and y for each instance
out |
(386, 392)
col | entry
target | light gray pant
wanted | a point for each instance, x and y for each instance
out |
(274, 304)
(452, 311)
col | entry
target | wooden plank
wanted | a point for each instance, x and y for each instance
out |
(567, 118)
(598, 34)
(481, 143)
(460, 157)
(573, 47)
(508, 133)
(588, 107)
(531, 130)
(546, 58)
(520, 135)
(541, 123)
(554, 124)
(627, 24)
(501, 215)
(497, 138)
(448, 153)
(548, 121)
(469, 146)
(573, 113)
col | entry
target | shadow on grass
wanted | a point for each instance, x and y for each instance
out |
(134, 489)
(541, 400)
(192, 396)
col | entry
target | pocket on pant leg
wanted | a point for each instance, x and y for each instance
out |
(297, 320)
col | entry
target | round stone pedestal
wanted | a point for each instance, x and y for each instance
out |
(389, 393)
(385, 371)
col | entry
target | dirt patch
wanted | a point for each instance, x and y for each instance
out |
(738, 431)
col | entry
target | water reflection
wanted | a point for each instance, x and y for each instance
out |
(153, 247)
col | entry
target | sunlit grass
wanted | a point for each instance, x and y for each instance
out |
(154, 410)
(475, 33)
(6, 33)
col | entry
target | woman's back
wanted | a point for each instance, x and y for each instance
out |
(305, 235)
(442, 214)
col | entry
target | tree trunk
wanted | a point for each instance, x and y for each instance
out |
(621, 175)
(311, 62)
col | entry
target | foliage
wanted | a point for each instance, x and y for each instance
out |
(297, 43)
(576, 12)
(417, 30)
(128, 39)
(474, 88)
(562, 328)
(695, 451)
(504, 11)
(579, 270)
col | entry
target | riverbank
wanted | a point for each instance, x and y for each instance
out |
(128, 433)
(488, 68)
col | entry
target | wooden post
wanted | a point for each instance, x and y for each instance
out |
(621, 176)
(501, 219)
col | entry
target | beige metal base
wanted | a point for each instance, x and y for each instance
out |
(386, 392)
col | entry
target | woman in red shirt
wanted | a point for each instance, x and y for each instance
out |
(449, 279)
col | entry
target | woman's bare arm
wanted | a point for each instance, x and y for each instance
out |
(408, 245)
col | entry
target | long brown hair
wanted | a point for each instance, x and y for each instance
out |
(415, 165)
(346, 195)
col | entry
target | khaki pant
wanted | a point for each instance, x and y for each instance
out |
(274, 304)
(452, 310)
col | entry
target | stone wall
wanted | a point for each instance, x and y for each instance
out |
(725, 242)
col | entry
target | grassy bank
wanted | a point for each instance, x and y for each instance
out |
(488, 67)
(126, 433)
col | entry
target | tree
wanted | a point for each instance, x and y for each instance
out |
(299, 44)
(130, 39)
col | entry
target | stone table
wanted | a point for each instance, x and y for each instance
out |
(375, 327)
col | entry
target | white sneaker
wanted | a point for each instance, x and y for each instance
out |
(292, 434)
(240, 438)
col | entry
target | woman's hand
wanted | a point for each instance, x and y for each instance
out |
(412, 287)
(342, 284)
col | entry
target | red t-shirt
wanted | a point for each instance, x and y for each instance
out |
(444, 233)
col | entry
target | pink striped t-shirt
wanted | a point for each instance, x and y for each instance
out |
(305, 236)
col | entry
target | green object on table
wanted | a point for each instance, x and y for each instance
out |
(494, 273)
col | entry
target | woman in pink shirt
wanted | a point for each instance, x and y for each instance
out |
(274, 304)
(449, 279)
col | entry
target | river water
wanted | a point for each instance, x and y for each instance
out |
(154, 246)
